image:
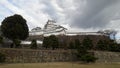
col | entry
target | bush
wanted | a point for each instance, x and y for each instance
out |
(51, 42)
(1, 39)
(81, 51)
(71, 45)
(17, 43)
(84, 55)
(2, 57)
(87, 43)
(33, 44)
(88, 58)
(102, 45)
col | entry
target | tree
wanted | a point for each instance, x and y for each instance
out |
(77, 43)
(1, 39)
(87, 43)
(54, 43)
(113, 46)
(88, 58)
(33, 44)
(51, 42)
(71, 45)
(81, 50)
(17, 43)
(15, 27)
(102, 45)
(46, 42)
(2, 57)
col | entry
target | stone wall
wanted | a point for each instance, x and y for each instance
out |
(94, 38)
(107, 57)
(35, 56)
(65, 40)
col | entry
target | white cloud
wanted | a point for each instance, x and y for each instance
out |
(89, 15)
(28, 11)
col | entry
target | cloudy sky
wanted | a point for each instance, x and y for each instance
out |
(79, 15)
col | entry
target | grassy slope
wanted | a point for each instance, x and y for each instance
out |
(59, 65)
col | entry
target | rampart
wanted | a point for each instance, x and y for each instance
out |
(38, 56)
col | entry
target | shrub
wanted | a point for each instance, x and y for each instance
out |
(71, 45)
(84, 55)
(87, 43)
(88, 58)
(2, 57)
(51, 42)
(1, 39)
(102, 45)
(17, 43)
(33, 44)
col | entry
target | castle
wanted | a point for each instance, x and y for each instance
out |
(51, 28)
(65, 36)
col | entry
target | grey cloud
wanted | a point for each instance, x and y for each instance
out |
(96, 14)
(92, 14)
(50, 10)
(78, 13)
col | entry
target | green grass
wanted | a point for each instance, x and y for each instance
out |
(59, 65)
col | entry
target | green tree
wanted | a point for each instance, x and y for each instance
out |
(81, 50)
(77, 43)
(74, 44)
(15, 27)
(87, 43)
(88, 58)
(84, 55)
(51, 42)
(114, 47)
(2, 57)
(54, 43)
(71, 45)
(1, 39)
(33, 44)
(102, 45)
(17, 43)
(46, 42)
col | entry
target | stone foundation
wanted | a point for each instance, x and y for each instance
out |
(36, 56)
(107, 57)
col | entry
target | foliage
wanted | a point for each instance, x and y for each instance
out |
(46, 42)
(114, 47)
(82, 50)
(87, 43)
(15, 27)
(109, 45)
(2, 57)
(54, 43)
(84, 55)
(33, 44)
(74, 44)
(102, 45)
(88, 58)
(71, 45)
(77, 43)
(51, 42)
(17, 43)
(1, 39)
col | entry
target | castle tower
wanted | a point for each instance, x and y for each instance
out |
(51, 28)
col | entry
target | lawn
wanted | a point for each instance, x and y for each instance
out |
(59, 65)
